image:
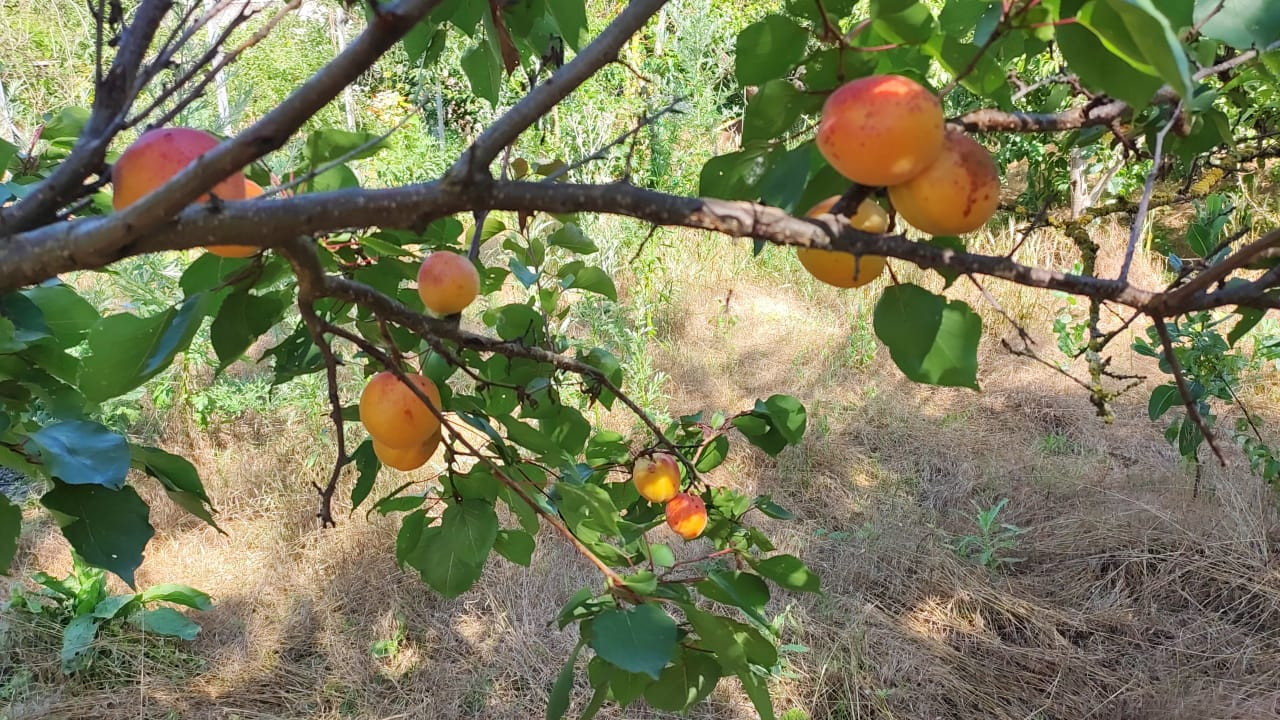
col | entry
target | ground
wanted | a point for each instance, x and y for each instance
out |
(1136, 594)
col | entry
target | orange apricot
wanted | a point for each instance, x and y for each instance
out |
(656, 476)
(958, 193)
(880, 130)
(843, 269)
(251, 190)
(158, 155)
(447, 282)
(410, 458)
(687, 515)
(394, 415)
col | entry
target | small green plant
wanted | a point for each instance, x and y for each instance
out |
(389, 648)
(992, 540)
(80, 603)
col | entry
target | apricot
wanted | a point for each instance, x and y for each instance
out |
(394, 415)
(251, 190)
(880, 130)
(158, 155)
(687, 515)
(657, 477)
(447, 282)
(410, 458)
(958, 193)
(843, 269)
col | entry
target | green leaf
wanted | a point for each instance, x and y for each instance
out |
(758, 691)
(735, 176)
(167, 621)
(571, 238)
(759, 431)
(577, 275)
(179, 477)
(26, 317)
(1249, 317)
(640, 640)
(367, 467)
(10, 529)
(558, 702)
(768, 49)
(111, 606)
(80, 452)
(589, 504)
(469, 529)
(1243, 23)
(739, 589)
(767, 506)
(788, 416)
(443, 570)
(776, 107)
(571, 19)
(77, 638)
(242, 319)
(712, 455)
(914, 24)
(324, 146)
(127, 350)
(931, 340)
(177, 594)
(515, 545)
(338, 177)
(1099, 68)
(425, 42)
(209, 271)
(789, 572)
(108, 528)
(68, 315)
(661, 555)
(1151, 34)
(685, 683)
(1163, 398)
(736, 646)
(484, 72)
(1189, 438)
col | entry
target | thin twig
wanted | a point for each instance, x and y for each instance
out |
(1139, 220)
(1180, 378)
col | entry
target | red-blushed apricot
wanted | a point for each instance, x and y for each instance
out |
(156, 156)
(842, 269)
(687, 515)
(251, 190)
(880, 130)
(958, 193)
(657, 477)
(410, 458)
(394, 415)
(447, 282)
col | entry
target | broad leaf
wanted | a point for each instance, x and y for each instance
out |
(789, 572)
(1242, 23)
(685, 683)
(242, 319)
(515, 545)
(768, 49)
(167, 621)
(931, 340)
(1163, 398)
(177, 594)
(558, 702)
(179, 477)
(367, 467)
(641, 639)
(127, 350)
(67, 315)
(108, 528)
(80, 452)
(77, 638)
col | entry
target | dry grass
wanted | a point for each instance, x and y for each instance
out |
(1135, 599)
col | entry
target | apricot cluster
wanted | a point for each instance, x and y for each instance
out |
(889, 131)
(657, 478)
(160, 154)
(405, 430)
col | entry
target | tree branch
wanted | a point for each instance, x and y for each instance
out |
(474, 162)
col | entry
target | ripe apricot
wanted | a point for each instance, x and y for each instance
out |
(657, 477)
(842, 269)
(410, 458)
(251, 190)
(958, 193)
(880, 130)
(447, 282)
(156, 156)
(394, 415)
(687, 515)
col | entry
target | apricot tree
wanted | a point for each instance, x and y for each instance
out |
(908, 94)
